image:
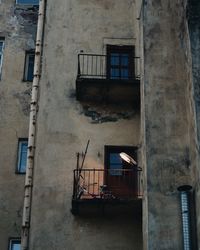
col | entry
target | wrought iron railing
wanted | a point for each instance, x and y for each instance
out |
(107, 184)
(94, 66)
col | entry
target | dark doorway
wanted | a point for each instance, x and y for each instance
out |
(121, 178)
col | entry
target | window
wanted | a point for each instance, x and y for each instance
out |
(14, 244)
(120, 62)
(29, 2)
(22, 156)
(29, 66)
(114, 162)
(2, 42)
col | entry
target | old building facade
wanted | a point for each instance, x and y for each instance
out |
(18, 28)
(107, 154)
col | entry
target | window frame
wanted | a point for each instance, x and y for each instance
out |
(2, 39)
(13, 240)
(19, 169)
(127, 49)
(28, 53)
(29, 4)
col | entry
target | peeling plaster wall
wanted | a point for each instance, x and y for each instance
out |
(65, 125)
(18, 27)
(169, 131)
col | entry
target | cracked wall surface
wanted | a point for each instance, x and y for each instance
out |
(18, 27)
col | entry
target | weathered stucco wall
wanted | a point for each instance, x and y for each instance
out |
(168, 117)
(65, 125)
(17, 26)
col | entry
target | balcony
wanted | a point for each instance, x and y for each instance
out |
(108, 78)
(105, 187)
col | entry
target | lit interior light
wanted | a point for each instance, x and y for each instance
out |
(128, 158)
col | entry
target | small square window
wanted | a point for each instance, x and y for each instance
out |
(28, 2)
(14, 244)
(22, 156)
(29, 66)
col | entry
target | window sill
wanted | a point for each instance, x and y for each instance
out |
(18, 173)
(26, 5)
(28, 81)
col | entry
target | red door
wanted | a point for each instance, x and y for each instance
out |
(121, 178)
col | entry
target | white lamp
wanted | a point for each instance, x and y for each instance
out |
(128, 158)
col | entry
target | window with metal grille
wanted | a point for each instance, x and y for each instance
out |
(22, 156)
(29, 66)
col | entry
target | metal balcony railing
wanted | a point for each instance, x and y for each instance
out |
(123, 184)
(94, 66)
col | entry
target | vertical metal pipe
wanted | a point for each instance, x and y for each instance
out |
(83, 65)
(84, 178)
(32, 130)
(87, 64)
(74, 185)
(94, 179)
(100, 61)
(79, 68)
(88, 181)
(186, 216)
(138, 184)
(98, 185)
(77, 166)
(96, 67)
(92, 66)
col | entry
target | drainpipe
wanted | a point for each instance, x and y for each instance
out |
(32, 129)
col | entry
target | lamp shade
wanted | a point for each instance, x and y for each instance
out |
(128, 158)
